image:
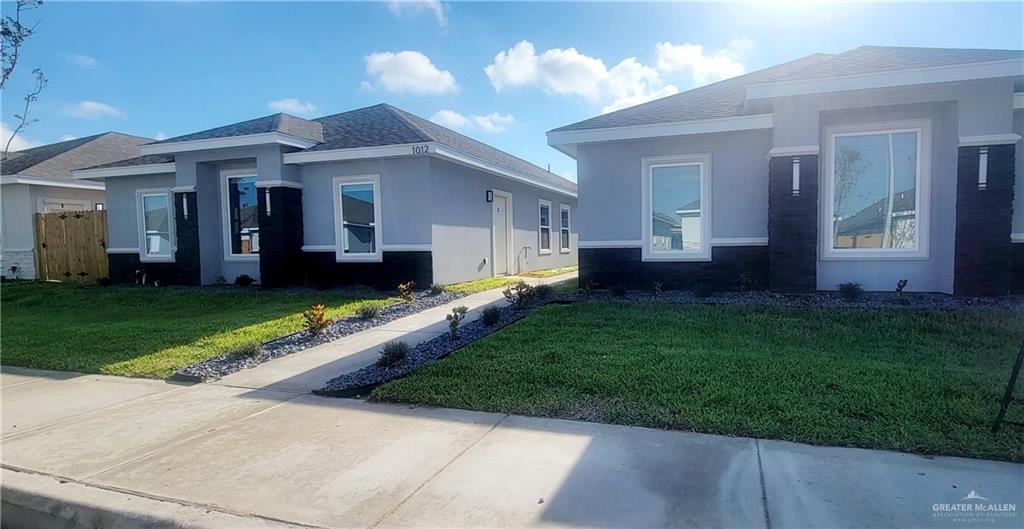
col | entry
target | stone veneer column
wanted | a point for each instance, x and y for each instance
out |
(186, 232)
(793, 225)
(281, 260)
(984, 214)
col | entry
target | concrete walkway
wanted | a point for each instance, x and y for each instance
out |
(310, 369)
(97, 451)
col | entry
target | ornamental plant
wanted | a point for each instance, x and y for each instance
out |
(406, 293)
(393, 355)
(491, 315)
(316, 319)
(455, 318)
(520, 294)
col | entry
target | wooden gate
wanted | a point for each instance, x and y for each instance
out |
(71, 245)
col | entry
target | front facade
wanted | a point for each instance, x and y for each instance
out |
(870, 166)
(375, 196)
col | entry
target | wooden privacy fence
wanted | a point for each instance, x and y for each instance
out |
(71, 245)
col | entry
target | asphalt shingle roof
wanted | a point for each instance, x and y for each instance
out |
(727, 98)
(138, 160)
(58, 160)
(280, 122)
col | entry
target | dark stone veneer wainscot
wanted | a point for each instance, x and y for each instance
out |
(793, 225)
(981, 266)
(395, 267)
(730, 268)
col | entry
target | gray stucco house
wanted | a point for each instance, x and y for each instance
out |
(39, 180)
(871, 166)
(373, 196)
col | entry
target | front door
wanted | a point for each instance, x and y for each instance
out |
(500, 231)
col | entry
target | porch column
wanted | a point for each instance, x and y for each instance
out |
(793, 223)
(280, 221)
(186, 231)
(984, 213)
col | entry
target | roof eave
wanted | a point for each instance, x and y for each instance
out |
(124, 170)
(248, 140)
(567, 139)
(52, 182)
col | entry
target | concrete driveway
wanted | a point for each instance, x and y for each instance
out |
(96, 451)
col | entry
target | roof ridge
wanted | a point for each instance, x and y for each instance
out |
(398, 113)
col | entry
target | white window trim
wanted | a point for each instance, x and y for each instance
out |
(566, 208)
(378, 226)
(922, 194)
(225, 215)
(703, 160)
(540, 249)
(140, 216)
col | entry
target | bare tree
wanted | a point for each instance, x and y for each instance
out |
(14, 33)
(849, 167)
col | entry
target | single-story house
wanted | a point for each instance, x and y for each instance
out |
(39, 180)
(869, 166)
(373, 196)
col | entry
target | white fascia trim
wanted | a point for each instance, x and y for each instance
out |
(610, 244)
(908, 77)
(406, 247)
(739, 241)
(359, 153)
(989, 139)
(459, 157)
(122, 250)
(1018, 101)
(680, 128)
(128, 170)
(249, 140)
(802, 150)
(279, 183)
(36, 181)
(1017, 237)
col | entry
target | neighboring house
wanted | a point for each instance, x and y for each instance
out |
(39, 180)
(872, 165)
(373, 196)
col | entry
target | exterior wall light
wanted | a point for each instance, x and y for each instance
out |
(490, 195)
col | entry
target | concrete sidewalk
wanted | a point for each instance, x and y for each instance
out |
(310, 369)
(97, 451)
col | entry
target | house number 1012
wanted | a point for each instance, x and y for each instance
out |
(420, 149)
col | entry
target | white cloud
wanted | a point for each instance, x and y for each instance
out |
(91, 110)
(409, 71)
(703, 67)
(494, 122)
(19, 143)
(415, 7)
(82, 60)
(68, 137)
(292, 105)
(160, 136)
(569, 72)
(450, 119)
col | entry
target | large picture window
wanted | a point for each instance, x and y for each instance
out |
(676, 208)
(357, 214)
(544, 230)
(874, 192)
(563, 232)
(156, 225)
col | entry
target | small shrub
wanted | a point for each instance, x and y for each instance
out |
(744, 283)
(589, 287)
(657, 288)
(491, 315)
(247, 350)
(455, 318)
(393, 355)
(851, 291)
(520, 294)
(543, 291)
(900, 285)
(406, 293)
(221, 280)
(369, 311)
(244, 280)
(619, 290)
(436, 289)
(316, 319)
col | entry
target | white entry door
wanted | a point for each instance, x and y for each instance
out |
(500, 231)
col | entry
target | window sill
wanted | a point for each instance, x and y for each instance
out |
(875, 256)
(242, 258)
(648, 256)
(145, 259)
(544, 252)
(372, 258)
(565, 250)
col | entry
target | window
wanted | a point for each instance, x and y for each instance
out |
(563, 234)
(99, 206)
(874, 192)
(156, 225)
(676, 208)
(545, 227)
(241, 225)
(357, 210)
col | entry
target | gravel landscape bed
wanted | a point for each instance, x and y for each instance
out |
(225, 364)
(362, 381)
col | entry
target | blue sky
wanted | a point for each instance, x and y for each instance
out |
(164, 69)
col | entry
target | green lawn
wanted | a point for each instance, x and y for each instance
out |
(551, 271)
(147, 331)
(915, 381)
(480, 285)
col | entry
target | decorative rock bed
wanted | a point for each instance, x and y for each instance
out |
(225, 364)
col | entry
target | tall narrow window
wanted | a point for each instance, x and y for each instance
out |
(545, 227)
(156, 229)
(875, 186)
(244, 229)
(358, 211)
(676, 208)
(563, 234)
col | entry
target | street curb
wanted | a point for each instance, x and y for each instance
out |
(31, 501)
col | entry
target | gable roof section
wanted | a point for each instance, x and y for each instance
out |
(728, 98)
(280, 122)
(56, 161)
